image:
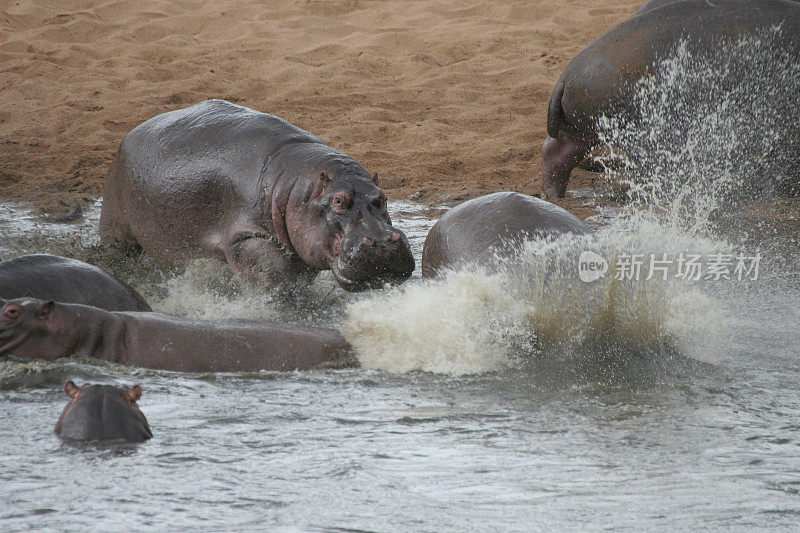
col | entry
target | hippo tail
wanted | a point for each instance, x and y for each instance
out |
(556, 118)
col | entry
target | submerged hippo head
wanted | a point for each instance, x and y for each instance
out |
(344, 226)
(102, 412)
(23, 324)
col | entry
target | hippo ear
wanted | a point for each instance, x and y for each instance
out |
(375, 178)
(71, 389)
(133, 394)
(45, 308)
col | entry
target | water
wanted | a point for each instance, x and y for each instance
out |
(554, 441)
(516, 401)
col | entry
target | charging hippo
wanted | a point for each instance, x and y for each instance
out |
(48, 330)
(274, 201)
(102, 412)
(602, 79)
(51, 277)
(485, 230)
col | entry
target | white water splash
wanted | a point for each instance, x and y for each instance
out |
(207, 289)
(469, 321)
(709, 129)
(460, 324)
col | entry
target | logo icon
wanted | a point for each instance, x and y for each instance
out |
(591, 266)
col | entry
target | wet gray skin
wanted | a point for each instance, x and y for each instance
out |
(102, 412)
(488, 229)
(602, 79)
(51, 277)
(655, 4)
(48, 330)
(565, 444)
(275, 202)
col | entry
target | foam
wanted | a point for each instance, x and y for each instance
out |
(712, 130)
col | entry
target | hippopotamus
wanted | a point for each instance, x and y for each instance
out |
(602, 79)
(52, 277)
(654, 4)
(49, 330)
(103, 412)
(277, 203)
(486, 230)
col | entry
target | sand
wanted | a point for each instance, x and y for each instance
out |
(445, 100)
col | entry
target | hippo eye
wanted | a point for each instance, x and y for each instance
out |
(12, 313)
(380, 202)
(341, 202)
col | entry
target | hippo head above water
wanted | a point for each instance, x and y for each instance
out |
(22, 320)
(35, 328)
(345, 227)
(102, 412)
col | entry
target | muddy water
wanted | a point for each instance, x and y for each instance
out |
(689, 424)
(528, 399)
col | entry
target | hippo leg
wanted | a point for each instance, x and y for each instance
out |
(559, 156)
(258, 259)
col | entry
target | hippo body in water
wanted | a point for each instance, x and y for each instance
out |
(47, 330)
(51, 277)
(223, 181)
(602, 79)
(486, 229)
(102, 412)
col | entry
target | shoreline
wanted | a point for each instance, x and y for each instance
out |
(446, 101)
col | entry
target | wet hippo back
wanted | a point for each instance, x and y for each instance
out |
(183, 178)
(102, 412)
(655, 4)
(51, 277)
(602, 80)
(476, 231)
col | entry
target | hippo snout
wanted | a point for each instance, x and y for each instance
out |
(368, 262)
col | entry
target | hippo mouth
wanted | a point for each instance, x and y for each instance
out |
(353, 285)
(343, 272)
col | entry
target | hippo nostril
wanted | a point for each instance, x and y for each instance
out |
(367, 241)
(394, 236)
